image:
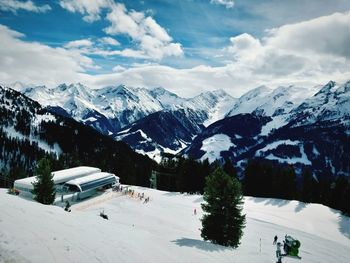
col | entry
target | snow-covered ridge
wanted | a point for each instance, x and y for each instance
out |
(270, 102)
(123, 105)
(332, 102)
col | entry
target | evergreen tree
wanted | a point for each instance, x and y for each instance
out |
(223, 221)
(286, 179)
(229, 169)
(44, 187)
(308, 187)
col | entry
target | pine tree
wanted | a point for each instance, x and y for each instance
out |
(223, 221)
(229, 169)
(44, 187)
(308, 187)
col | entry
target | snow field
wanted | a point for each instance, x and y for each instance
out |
(163, 230)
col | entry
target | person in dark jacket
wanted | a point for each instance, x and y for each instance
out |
(275, 240)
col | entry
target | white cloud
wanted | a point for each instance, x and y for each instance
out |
(118, 68)
(91, 9)
(324, 35)
(226, 3)
(244, 46)
(15, 5)
(153, 40)
(150, 38)
(292, 54)
(109, 41)
(89, 47)
(79, 43)
(286, 55)
(32, 62)
(310, 50)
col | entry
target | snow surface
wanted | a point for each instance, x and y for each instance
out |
(163, 230)
(156, 154)
(303, 159)
(275, 144)
(214, 145)
(277, 122)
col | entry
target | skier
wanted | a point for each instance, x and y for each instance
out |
(275, 240)
(278, 253)
(195, 211)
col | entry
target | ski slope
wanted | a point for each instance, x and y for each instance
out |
(163, 230)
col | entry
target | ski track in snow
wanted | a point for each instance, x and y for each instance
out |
(164, 230)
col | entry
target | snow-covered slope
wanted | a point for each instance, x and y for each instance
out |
(163, 230)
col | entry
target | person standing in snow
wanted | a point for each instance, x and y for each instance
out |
(195, 211)
(278, 253)
(275, 240)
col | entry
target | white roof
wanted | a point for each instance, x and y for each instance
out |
(25, 183)
(59, 176)
(72, 173)
(91, 177)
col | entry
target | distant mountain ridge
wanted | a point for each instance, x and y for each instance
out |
(112, 108)
(288, 124)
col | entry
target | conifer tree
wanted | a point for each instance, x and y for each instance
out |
(229, 169)
(44, 187)
(223, 221)
(307, 187)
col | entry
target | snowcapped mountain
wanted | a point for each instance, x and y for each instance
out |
(330, 103)
(268, 102)
(314, 133)
(112, 108)
(215, 104)
(107, 109)
(174, 128)
(153, 121)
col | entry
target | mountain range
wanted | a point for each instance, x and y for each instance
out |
(295, 125)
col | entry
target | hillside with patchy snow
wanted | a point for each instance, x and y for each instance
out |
(314, 134)
(163, 230)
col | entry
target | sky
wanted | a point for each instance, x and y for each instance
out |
(185, 46)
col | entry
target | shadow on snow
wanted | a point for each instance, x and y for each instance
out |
(344, 225)
(200, 244)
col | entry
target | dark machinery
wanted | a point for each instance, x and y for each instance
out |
(291, 246)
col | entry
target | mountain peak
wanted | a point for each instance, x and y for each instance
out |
(257, 92)
(221, 93)
(326, 88)
(160, 91)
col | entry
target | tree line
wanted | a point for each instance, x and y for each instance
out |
(259, 178)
